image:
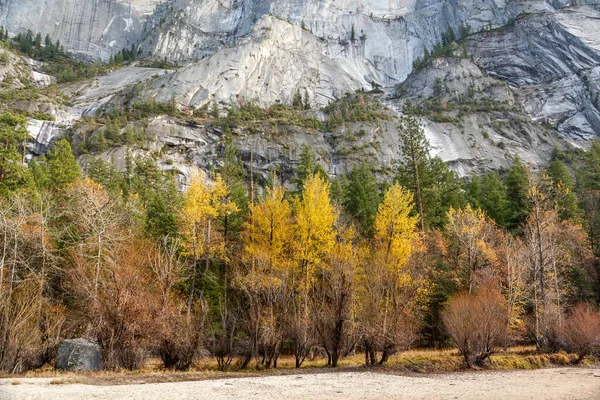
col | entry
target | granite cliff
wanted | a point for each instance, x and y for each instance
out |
(533, 64)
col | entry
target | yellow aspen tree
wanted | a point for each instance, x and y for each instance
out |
(315, 219)
(263, 275)
(388, 289)
(204, 203)
(268, 230)
(314, 237)
(395, 227)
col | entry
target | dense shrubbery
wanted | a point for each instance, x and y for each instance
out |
(355, 108)
(280, 114)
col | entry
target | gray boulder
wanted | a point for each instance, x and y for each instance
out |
(79, 355)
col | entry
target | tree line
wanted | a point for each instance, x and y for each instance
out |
(335, 266)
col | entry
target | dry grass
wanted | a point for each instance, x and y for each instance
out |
(409, 362)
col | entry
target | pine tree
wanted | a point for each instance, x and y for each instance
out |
(564, 188)
(215, 110)
(493, 198)
(297, 100)
(307, 166)
(517, 183)
(106, 174)
(338, 189)
(38, 41)
(233, 174)
(13, 137)
(39, 171)
(161, 219)
(415, 152)
(62, 166)
(361, 198)
(112, 131)
(441, 188)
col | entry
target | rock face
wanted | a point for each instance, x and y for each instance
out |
(94, 28)
(276, 61)
(79, 355)
(551, 59)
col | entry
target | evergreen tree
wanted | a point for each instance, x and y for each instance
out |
(362, 198)
(307, 166)
(489, 194)
(338, 189)
(233, 173)
(590, 173)
(441, 188)
(106, 174)
(38, 41)
(39, 172)
(297, 100)
(13, 138)
(517, 184)
(215, 110)
(112, 131)
(415, 152)
(161, 218)
(62, 166)
(564, 187)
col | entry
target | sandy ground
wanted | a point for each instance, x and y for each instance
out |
(547, 384)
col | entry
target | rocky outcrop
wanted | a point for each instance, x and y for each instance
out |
(529, 67)
(79, 355)
(474, 121)
(551, 60)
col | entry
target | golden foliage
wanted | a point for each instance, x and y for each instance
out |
(395, 228)
(314, 229)
(204, 203)
(268, 231)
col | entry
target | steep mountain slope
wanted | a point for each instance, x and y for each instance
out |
(512, 77)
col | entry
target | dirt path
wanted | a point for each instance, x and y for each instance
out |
(547, 384)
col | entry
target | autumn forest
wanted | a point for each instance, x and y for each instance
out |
(244, 269)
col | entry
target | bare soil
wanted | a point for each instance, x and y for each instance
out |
(548, 384)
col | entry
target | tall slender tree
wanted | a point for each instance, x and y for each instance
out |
(415, 151)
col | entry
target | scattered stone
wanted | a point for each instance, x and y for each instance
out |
(79, 355)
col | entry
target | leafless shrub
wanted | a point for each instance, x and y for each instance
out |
(477, 324)
(30, 322)
(182, 334)
(582, 330)
(181, 325)
(120, 303)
